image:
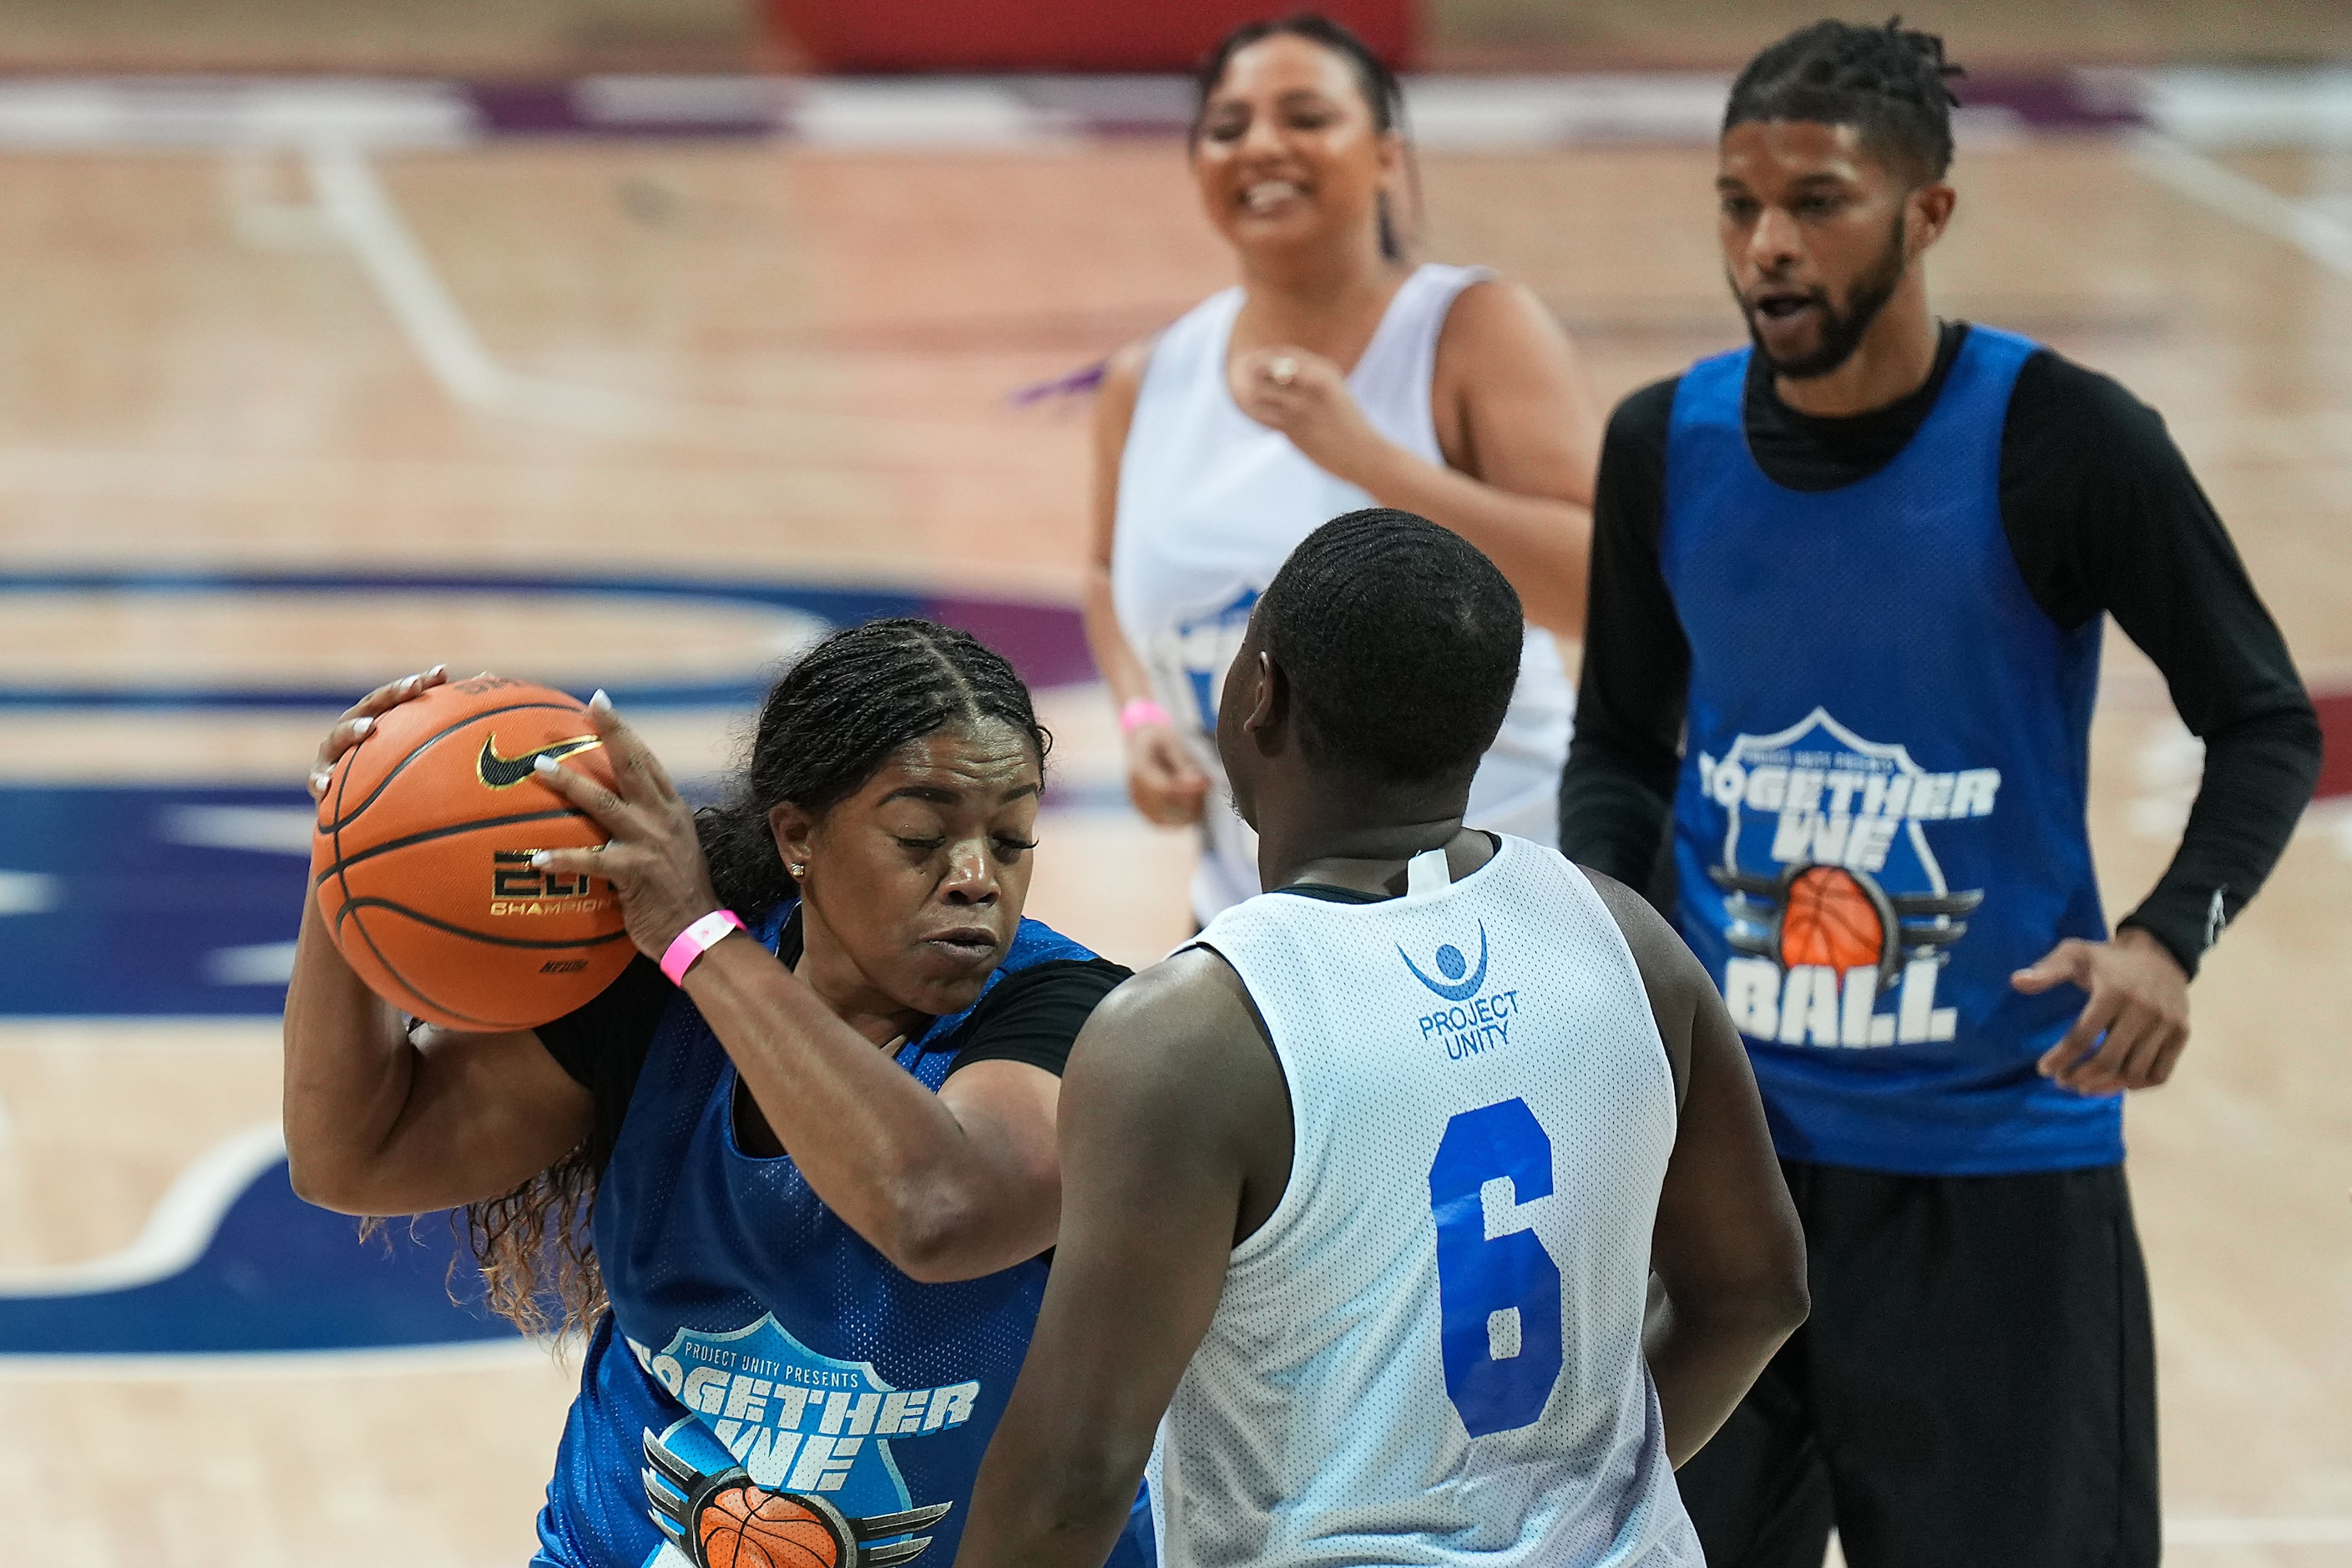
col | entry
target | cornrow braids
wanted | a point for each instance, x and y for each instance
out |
(826, 727)
(833, 719)
(1892, 83)
(1383, 94)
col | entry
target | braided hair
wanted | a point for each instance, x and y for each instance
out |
(833, 719)
(825, 729)
(1891, 83)
(1382, 93)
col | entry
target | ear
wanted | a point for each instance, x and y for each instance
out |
(793, 829)
(1268, 717)
(1930, 214)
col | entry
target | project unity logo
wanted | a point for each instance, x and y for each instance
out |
(1451, 965)
(1473, 1023)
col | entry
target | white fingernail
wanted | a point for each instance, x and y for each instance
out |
(539, 862)
(543, 765)
(600, 700)
(363, 726)
(437, 669)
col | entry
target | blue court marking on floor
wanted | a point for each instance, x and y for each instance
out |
(1045, 642)
(120, 913)
(248, 1267)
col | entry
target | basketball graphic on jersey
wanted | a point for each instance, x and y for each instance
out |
(1836, 910)
(721, 1519)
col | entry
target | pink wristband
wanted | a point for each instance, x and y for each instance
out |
(696, 940)
(1141, 711)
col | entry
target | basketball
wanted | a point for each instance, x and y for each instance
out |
(1829, 919)
(772, 1533)
(421, 859)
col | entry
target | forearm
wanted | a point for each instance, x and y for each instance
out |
(1703, 1366)
(1613, 806)
(1542, 543)
(883, 1151)
(1122, 670)
(2259, 775)
(1064, 1508)
(349, 1067)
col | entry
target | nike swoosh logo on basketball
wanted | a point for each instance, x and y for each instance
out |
(504, 773)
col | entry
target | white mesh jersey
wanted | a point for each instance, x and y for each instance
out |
(1211, 504)
(1431, 1350)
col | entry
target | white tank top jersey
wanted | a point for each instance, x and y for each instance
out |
(1431, 1350)
(1211, 504)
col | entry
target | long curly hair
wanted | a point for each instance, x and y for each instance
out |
(826, 728)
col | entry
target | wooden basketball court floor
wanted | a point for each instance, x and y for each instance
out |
(741, 362)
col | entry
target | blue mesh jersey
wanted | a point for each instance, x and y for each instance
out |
(1880, 811)
(752, 1330)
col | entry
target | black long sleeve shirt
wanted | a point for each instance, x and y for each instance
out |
(2101, 513)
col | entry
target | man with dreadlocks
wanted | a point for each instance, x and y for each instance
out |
(1844, 629)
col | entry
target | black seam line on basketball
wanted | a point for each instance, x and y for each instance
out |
(487, 937)
(433, 740)
(433, 833)
(401, 980)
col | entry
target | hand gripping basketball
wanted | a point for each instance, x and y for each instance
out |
(719, 1519)
(653, 859)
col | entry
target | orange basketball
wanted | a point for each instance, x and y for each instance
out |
(1829, 919)
(422, 860)
(771, 1532)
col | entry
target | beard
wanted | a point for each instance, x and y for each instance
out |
(1841, 329)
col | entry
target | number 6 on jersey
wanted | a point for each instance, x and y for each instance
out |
(1494, 1290)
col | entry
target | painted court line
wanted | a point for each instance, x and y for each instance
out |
(2313, 229)
(177, 1231)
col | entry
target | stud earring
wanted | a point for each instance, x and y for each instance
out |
(798, 869)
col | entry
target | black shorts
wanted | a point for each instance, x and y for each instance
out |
(1976, 1387)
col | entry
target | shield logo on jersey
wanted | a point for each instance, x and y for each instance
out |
(1833, 897)
(1192, 656)
(793, 1420)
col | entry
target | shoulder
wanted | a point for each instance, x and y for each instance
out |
(1122, 383)
(1187, 1015)
(1047, 989)
(1639, 426)
(1676, 983)
(1645, 413)
(1497, 322)
(2067, 407)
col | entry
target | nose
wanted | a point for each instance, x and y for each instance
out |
(1774, 243)
(1263, 139)
(971, 874)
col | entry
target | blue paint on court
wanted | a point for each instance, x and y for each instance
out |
(139, 920)
(277, 1275)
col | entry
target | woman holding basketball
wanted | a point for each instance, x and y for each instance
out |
(799, 1195)
(1335, 376)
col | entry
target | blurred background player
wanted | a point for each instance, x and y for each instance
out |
(823, 1156)
(1387, 1282)
(1334, 374)
(1845, 621)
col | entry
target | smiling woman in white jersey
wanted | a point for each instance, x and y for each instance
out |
(1389, 1281)
(1334, 376)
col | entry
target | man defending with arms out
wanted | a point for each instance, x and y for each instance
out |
(1845, 616)
(1364, 1189)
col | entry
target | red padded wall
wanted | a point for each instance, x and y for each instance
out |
(1050, 34)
